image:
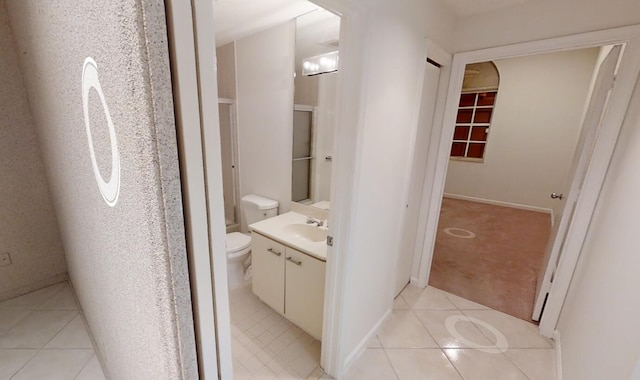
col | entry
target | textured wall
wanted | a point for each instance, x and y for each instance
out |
(127, 262)
(28, 228)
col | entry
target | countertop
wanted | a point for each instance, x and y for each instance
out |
(273, 228)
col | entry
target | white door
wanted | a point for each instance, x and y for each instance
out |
(412, 211)
(579, 166)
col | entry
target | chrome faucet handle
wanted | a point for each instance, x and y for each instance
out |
(312, 220)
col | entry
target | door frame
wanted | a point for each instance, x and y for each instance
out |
(594, 179)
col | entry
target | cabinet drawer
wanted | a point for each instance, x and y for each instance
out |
(304, 293)
(267, 262)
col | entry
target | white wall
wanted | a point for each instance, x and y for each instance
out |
(534, 131)
(226, 61)
(393, 64)
(599, 321)
(535, 20)
(264, 69)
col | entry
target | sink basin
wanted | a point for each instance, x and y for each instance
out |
(306, 232)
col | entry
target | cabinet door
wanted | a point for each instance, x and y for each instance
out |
(304, 291)
(267, 262)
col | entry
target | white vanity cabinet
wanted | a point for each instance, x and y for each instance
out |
(267, 263)
(292, 283)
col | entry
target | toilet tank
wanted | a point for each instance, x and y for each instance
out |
(257, 208)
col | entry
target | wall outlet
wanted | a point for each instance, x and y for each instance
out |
(5, 259)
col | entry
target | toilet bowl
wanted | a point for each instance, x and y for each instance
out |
(254, 208)
(238, 249)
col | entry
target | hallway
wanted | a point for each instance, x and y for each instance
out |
(43, 336)
(432, 334)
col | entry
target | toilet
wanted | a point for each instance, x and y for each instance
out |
(255, 208)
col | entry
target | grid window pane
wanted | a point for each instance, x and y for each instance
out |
(467, 100)
(461, 133)
(457, 149)
(487, 98)
(464, 116)
(483, 115)
(476, 150)
(479, 134)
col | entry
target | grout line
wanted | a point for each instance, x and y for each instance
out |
(85, 364)
(391, 364)
(452, 364)
(25, 364)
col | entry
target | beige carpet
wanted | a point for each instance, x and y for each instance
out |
(498, 267)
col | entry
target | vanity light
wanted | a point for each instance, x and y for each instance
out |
(320, 64)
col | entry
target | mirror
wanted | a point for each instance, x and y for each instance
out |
(317, 40)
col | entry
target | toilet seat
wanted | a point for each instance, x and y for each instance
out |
(237, 243)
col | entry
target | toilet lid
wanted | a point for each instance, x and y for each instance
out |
(237, 241)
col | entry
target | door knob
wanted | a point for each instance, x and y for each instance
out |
(556, 196)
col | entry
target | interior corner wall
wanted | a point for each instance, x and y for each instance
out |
(226, 63)
(392, 68)
(28, 227)
(535, 127)
(598, 325)
(127, 263)
(264, 70)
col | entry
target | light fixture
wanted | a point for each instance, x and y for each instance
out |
(320, 64)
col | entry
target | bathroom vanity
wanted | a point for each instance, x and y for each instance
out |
(288, 261)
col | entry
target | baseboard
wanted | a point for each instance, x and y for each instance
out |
(558, 347)
(15, 292)
(355, 354)
(500, 203)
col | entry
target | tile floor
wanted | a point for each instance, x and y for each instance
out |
(267, 346)
(43, 337)
(432, 334)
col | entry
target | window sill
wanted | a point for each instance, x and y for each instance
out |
(467, 159)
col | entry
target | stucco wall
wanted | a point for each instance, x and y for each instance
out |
(28, 229)
(127, 262)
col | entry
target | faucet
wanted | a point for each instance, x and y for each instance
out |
(312, 220)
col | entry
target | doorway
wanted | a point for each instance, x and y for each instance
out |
(517, 128)
(559, 272)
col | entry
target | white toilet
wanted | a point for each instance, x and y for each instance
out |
(255, 209)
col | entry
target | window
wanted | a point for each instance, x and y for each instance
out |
(472, 124)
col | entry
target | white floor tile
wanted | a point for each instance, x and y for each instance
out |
(373, 364)
(73, 335)
(403, 330)
(55, 365)
(11, 360)
(62, 300)
(400, 304)
(478, 365)
(463, 303)
(422, 364)
(519, 334)
(434, 322)
(9, 318)
(374, 342)
(33, 300)
(537, 364)
(91, 371)
(429, 298)
(36, 329)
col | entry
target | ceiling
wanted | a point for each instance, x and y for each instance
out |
(465, 8)
(235, 19)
